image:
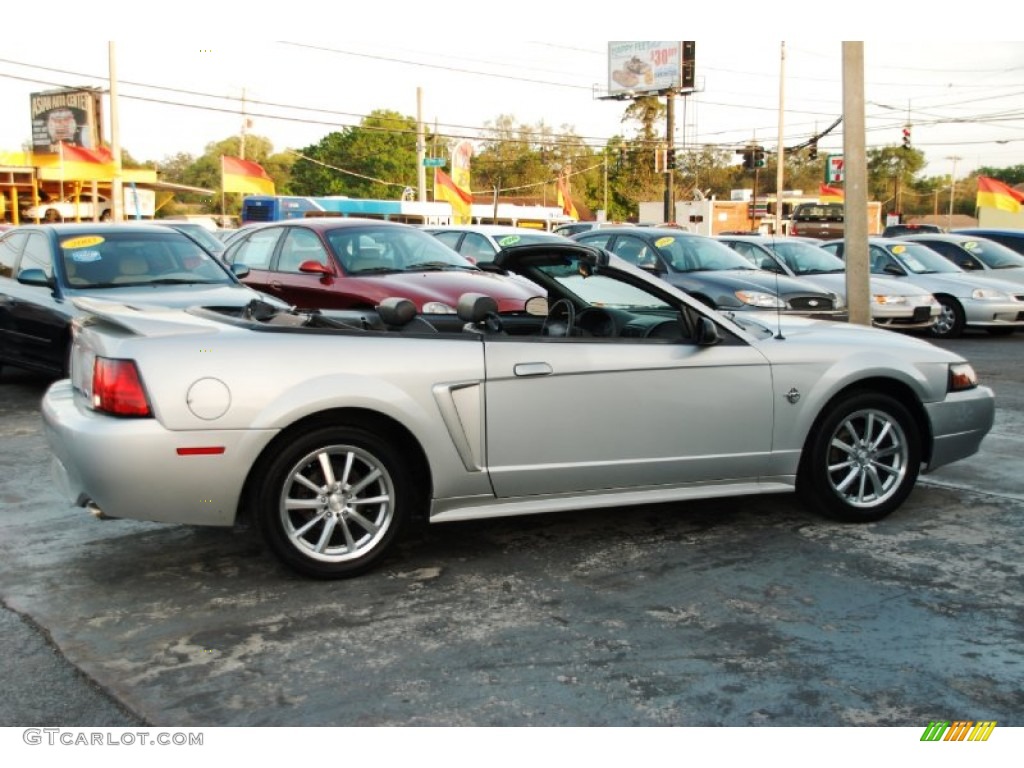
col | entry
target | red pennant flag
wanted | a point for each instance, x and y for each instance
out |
(244, 176)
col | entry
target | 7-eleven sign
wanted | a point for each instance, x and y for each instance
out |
(833, 168)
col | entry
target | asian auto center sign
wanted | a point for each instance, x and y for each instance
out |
(637, 67)
(69, 115)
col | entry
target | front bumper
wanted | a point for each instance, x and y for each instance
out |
(959, 423)
(130, 468)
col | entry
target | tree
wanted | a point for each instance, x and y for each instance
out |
(376, 160)
(890, 170)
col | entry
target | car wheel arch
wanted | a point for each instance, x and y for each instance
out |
(381, 424)
(897, 390)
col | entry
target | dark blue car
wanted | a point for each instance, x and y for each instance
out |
(44, 267)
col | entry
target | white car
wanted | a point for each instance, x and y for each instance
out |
(71, 209)
(894, 304)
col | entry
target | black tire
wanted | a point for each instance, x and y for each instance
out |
(951, 321)
(861, 460)
(105, 216)
(329, 530)
(52, 216)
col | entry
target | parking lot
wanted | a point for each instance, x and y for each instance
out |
(738, 612)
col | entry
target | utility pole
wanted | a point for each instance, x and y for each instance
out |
(117, 183)
(245, 121)
(952, 190)
(855, 241)
(421, 149)
(780, 169)
(670, 128)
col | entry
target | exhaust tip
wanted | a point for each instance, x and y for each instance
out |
(96, 512)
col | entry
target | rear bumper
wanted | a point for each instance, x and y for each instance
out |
(131, 468)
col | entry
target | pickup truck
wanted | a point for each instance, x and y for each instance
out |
(823, 221)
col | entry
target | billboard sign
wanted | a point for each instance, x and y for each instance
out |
(69, 115)
(642, 67)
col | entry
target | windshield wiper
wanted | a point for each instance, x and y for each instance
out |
(179, 281)
(375, 271)
(433, 266)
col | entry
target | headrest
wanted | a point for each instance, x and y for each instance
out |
(475, 307)
(133, 265)
(396, 310)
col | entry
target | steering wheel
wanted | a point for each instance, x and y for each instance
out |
(561, 319)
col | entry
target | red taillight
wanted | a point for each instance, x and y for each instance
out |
(117, 389)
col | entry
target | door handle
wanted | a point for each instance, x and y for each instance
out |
(532, 369)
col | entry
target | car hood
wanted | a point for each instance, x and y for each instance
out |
(963, 283)
(786, 338)
(177, 296)
(749, 280)
(446, 287)
(879, 285)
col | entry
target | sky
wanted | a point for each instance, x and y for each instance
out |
(462, 71)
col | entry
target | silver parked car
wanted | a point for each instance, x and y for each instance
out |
(894, 304)
(481, 242)
(332, 429)
(967, 299)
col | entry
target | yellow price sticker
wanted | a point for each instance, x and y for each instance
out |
(81, 242)
(661, 242)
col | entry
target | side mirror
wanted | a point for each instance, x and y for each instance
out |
(240, 270)
(35, 277)
(707, 332)
(314, 268)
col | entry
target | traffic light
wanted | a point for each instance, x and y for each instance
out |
(748, 159)
(759, 157)
(906, 137)
(670, 159)
(689, 64)
(812, 153)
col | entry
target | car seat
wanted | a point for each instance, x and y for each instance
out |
(480, 314)
(130, 267)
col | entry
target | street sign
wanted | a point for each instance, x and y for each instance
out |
(833, 168)
(433, 162)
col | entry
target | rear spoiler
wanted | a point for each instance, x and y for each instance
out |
(144, 319)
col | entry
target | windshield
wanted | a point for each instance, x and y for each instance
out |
(117, 259)
(369, 250)
(601, 291)
(202, 235)
(695, 254)
(992, 254)
(805, 259)
(921, 259)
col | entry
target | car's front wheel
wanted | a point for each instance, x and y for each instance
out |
(862, 459)
(333, 500)
(951, 320)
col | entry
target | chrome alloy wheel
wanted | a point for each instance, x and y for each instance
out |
(337, 503)
(867, 458)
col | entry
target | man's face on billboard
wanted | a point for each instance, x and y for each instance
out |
(61, 125)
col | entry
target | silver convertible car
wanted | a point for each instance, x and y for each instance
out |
(332, 430)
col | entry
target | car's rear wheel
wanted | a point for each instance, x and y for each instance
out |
(51, 215)
(862, 459)
(951, 321)
(333, 501)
